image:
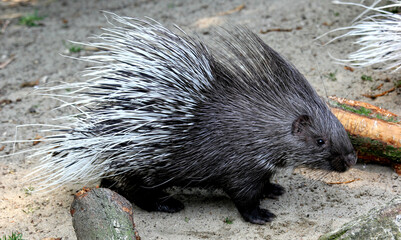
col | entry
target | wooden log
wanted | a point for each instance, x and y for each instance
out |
(102, 214)
(374, 132)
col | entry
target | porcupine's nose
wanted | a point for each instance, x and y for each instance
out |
(350, 160)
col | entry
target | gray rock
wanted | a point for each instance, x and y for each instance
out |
(378, 223)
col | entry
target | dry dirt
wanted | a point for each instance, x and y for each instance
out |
(310, 207)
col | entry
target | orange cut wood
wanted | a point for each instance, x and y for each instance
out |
(375, 129)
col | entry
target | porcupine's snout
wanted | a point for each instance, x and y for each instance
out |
(350, 160)
(342, 163)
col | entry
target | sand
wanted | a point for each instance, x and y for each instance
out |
(310, 206)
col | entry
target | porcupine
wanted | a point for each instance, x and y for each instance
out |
(162, 109)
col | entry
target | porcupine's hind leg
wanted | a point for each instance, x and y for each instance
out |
(149, 199)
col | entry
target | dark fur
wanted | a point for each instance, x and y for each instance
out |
(258, 115)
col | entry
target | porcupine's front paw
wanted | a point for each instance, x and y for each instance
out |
(257, 215)
(272, 190)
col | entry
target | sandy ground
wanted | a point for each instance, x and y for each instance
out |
(310, 207)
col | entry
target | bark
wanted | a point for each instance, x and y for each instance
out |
(102, 214)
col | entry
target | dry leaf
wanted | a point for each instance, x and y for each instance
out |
(30, 84)
(348, 68)
(37, 138)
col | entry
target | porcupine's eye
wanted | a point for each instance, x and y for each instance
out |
(320, 142)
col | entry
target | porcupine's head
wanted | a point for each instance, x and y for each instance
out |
(322, 142)
(298, 128)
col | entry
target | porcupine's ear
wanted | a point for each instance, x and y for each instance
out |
(299, 125)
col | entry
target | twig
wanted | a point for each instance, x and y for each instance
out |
(379, 95)
(236, 9)
(8, 61)
(379, 87)
(279, 30)
(5, 25)
(350, 181)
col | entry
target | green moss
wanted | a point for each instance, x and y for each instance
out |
(361, 111)
(379, 116)
(397, 84)
(392, 119)
(367, 146)
(228, 220)
(30, 20)
(334, 236)
(30, 209)
(364, 112)
(331, 76)
(28, 191)
(13, 236)
(387, 119)
(74, 49)
(393, 152)
(366, 78)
